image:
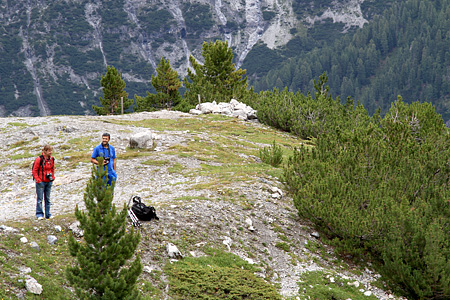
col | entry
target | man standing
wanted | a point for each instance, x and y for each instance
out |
(109, 155)
(44, 174)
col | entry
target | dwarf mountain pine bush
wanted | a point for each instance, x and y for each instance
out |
(381, 187)
(272, 155)
(305, 116)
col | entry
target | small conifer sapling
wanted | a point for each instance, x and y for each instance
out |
(102, 269)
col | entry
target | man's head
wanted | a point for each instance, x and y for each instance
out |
(105, 139)
(47, 150)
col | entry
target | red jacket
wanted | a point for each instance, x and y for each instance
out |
(48, 166)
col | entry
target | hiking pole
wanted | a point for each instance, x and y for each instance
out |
(132, 216)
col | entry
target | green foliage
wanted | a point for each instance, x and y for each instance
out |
(46, 265)
(272, 155)
(268, 15)
(63, 17)
(14, 75)
(305, 116)
(113, 15)
(198, 17)
(147, 103)
(260, 52)
(63, 88)
(379, 187)
(109, 45)
(220, 275)
(217, 79)
(113, 91)
(312, 7)
(166, 84)
(401, 51)
(326, 30)
(183, 106)
(283, 246)
(80, 61)
(155, 20)
(100, 271)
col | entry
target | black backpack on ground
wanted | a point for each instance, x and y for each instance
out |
(142, 211)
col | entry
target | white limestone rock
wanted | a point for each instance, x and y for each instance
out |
(33, 286)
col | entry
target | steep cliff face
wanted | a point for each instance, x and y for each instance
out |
(52, 53)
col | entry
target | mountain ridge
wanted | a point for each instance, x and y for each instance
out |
(49, 57)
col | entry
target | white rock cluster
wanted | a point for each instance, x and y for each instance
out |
(276, 192)
(234, 109)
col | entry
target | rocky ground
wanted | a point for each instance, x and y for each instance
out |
(248, 226)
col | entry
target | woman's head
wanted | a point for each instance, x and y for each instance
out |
(47, 150)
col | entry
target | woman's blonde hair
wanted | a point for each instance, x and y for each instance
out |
(47, 147)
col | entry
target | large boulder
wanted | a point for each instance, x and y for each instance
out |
(142, 140)
(208, 107)
(239, 113)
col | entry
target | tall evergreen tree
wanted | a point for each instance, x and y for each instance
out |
(113, 91)
(217, 79)
(166, 84)
(100, 271)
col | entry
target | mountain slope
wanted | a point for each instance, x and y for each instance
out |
(206, 182)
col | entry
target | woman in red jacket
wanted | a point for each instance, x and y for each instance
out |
(44, 174)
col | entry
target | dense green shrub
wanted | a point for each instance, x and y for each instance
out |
(219, 275)
(260, 52)
(381, 188)
(303, 115)
(272, 155)
(268, 15)
(402, 51)
(115, 97)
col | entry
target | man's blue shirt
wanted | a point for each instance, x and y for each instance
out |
(106, 152)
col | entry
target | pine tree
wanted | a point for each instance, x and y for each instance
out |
(101, 270)
(166, 84)
(147, 103)
(217, 79)
(113, 91)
